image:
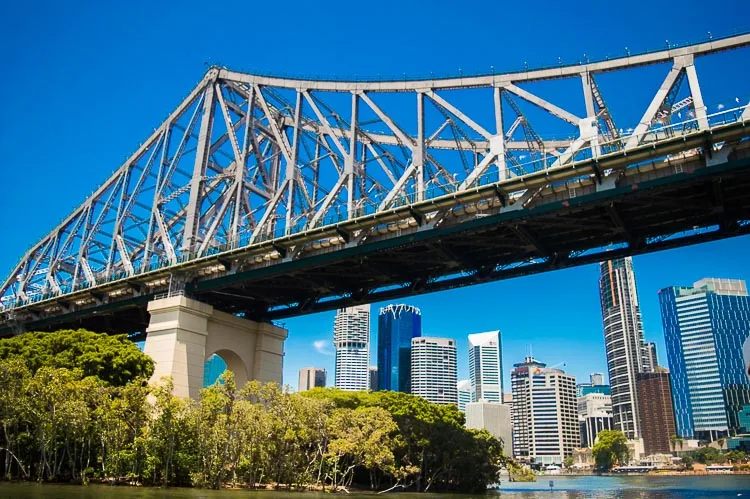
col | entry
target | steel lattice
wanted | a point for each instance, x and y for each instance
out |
(248, 159)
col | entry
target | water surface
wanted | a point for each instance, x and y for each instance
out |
(642, 487)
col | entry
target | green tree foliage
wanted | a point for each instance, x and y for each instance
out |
(61, 424)
(610, 449)
(433, 450)
(712, 455)
(112, 359)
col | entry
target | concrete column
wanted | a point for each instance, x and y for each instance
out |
(252, 350)
(176, 340)
(268, 362)
(183, 333)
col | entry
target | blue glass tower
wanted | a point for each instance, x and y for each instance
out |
(215, 367)
(705, 327)
(397, 325)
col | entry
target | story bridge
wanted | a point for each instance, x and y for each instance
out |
(268, 197)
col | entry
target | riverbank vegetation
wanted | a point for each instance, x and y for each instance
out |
(74, 406)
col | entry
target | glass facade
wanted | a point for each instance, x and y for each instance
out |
(585, 388)
(744, 419)
(397, 326)
(705, 327)
(215, 367)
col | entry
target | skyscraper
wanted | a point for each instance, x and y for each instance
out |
(545, 416)
(311, 377)
(705, 327)
(397, 326)
(486, 367)
(214, 367)
(651, 358)
(464, 394)
(623, 340)
(373, 377)
(351, 337)
(434, 373)
(656, 413)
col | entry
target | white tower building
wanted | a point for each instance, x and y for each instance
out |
(351, 337)
(545, 413)
(486, 367)
(434, 374)
(464, 394)
(623, 340)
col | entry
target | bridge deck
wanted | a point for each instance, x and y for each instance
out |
(571, 220)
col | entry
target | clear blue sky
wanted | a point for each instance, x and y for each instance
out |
(84, 84)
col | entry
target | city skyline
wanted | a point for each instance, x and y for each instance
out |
(570, 317)
(654, 272)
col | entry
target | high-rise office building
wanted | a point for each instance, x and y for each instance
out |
(351, 335)
(545, 415)
(595, 386)
(623, 340)
(372, 373)
(594, 415)
(495, 418)
(311, 377)
(486, 367)
(214, 367)
(651, 359)
(705, 327)
(434, 373)
(397, 326)
(464, 394)
(656, 413)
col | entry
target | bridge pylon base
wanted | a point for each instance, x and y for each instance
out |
(183, 333)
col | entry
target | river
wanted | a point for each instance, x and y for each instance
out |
(645, 487)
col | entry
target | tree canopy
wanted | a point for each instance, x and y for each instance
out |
(58, 424)
(112, 359)
(610, 449)
(433, 449)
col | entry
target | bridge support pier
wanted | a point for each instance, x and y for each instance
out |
(184, 332)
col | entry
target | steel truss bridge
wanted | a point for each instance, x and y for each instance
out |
(272, 197)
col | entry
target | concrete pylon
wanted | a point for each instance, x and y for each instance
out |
(184, 332)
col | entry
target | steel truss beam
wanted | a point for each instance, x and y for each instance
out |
(247, 159)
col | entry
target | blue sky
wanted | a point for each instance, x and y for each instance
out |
(84, 84)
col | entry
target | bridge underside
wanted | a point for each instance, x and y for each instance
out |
(643, 213)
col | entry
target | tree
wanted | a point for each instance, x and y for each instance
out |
(432, 450)
(359, 438)
(113, 359)
(568, 463)
(610, 449)
(706, 455)
(13, 379)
